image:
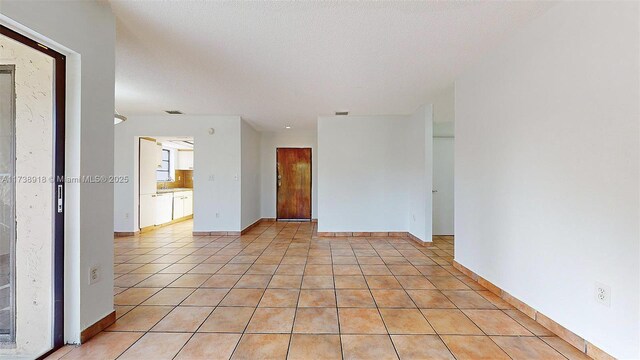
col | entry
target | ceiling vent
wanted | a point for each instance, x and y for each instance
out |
(342, 113)
(173, 112)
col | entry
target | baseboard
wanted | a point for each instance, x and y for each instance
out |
(216, 233)
(98, 326)
(248, 228)
(361, 234)
(398, 234)
(394, 234)
(147, 229)
(235, 233)
(125, 233)
(174, 221)
(565, 334)
(417, 240)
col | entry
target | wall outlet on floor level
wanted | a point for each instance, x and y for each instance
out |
(126, 215)
(94, 274)
(602, 294)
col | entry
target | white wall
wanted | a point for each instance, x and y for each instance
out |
(419, 157)
(362, 183)
(444, 112)
(269, 142)
(547, 169)
(374, 172)
(85, 32)
(216, 174)
(250, 187)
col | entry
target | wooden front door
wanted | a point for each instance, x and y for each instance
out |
(293, 181)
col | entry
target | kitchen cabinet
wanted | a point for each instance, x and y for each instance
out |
(182, 204)
(185, 160)
(147, 210)
(188, 203)
(150, 159)
(153, 209)
(178, 205)
(164, 208)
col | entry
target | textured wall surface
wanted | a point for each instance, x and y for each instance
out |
(34, 145)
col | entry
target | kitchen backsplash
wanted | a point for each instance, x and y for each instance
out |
(183, 179)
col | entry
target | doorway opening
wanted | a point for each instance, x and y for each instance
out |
(293, 184)
(165, 176)
(32, 184)
(443, 182)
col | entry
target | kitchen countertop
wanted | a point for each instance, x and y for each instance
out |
(164, 191)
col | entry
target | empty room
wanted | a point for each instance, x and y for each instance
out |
(319, 179)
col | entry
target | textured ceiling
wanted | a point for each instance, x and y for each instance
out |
(285, 63)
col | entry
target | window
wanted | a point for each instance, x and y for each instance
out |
(164, 172)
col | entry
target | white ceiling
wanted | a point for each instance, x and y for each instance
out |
(285, 63)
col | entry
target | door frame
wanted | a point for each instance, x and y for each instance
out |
(310, 184)
(58, 183)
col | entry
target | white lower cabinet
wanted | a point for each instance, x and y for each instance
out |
(182, 204)
(178, 206)
(158, 209)
(164, 208)
(147, 210)
(188, 203)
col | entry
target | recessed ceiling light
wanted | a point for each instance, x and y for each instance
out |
(173, 112)
(287, 127)
(342, 113)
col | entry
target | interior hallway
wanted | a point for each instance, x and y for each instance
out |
(280, 292)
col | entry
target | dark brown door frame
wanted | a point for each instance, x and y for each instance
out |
(58, 186)
(310, 183)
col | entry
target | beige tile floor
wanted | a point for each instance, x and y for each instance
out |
(278, 292)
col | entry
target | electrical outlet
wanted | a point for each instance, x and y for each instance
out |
(211, 177)
(126, 215)
(602, 294)
(94, 274)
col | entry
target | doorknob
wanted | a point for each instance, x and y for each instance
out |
(434, 191)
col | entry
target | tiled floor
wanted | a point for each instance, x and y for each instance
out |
(278, 293)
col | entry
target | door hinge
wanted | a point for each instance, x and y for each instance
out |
(59, 197)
